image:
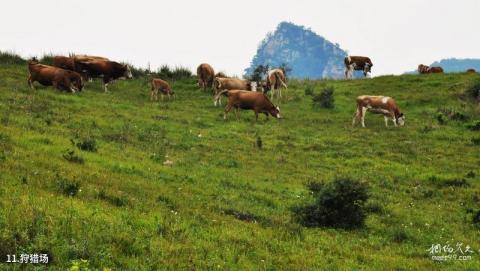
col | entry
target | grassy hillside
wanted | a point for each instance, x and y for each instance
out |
(224, 203)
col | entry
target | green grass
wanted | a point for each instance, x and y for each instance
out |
(225, 203)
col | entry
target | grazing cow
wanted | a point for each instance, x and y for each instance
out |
(380, 105)
(220, 84)
(109, 70)
(423, 69)
(256, 101)
(89, 58)
(275, 81)
(357, 63)
(205, 74)
(471, 71)
(52, 76)
(163, 87)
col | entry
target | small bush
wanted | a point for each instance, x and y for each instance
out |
(309, 90)
(476, 140)
(118, 201)
(86, 144)
(449, 182)
(259, 143)
(11, 58)
(339, 204)
(67, 187)
(474, 126)
(445, 114)
(473, 91)
(70, 156)
(325, 99)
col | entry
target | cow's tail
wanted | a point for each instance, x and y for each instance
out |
(217, 98)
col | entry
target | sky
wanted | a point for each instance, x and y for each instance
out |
(396, 34)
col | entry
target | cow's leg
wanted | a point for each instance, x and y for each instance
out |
(105, 84)
(227, 109)
(30, 83)
(386, 120)
(151, 94)
(364, 110)
(237, 112)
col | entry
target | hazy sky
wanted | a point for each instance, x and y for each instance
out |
(396, 34)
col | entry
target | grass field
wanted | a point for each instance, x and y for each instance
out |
(224, 203)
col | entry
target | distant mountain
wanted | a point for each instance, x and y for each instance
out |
(456, 65)
(306, 53)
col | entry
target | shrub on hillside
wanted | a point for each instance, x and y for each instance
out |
(474, 126)
(67, 187)
(339, 204)
(309, 90)
(473, 91)
(325, 99)
(86, 144)
(11, 58)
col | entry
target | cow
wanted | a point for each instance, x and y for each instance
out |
(357, 63)
(221, 75)
(60, 79)
(275, 81)
(243, 99)
(380, 105)
(423, 69)
(163, 87)
(471, 71)
(205, 74)
(109, 70)
(220, 84)
(89, 58)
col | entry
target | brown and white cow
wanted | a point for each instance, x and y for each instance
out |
(380, 105)
(275, 81)
(60, 79)
(163, 87)
(205, 74)
(423, 69)
(357, 63)
(220, 84)
(249, 100)
(108, 70)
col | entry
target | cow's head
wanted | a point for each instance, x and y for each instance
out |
(78, 84)
(275, 111)
(401, 119)
(128, 73)
(367, 68)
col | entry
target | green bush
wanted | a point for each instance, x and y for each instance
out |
(309, 90)
(474, 126)
(339, 204)
(11, 58)
(86, 144)
(67, 187)
(325, 99)
(473, 91)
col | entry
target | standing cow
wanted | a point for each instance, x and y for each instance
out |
(163, 87)
(249, 100)
(380, 105)
(205, 74)
(357, 63)
(109, 70)
(220, 84)
(275, 81)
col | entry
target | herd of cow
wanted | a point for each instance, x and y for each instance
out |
(70, 73)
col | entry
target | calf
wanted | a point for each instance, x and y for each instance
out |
(52, 76)
(220, 84)
(163, 87)
(357, 63)
(205, 74)
(381, 105)
(275, 81)
(256, 101)
(109, 70)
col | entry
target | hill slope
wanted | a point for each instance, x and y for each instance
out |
(308, 54)
(224, 203)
